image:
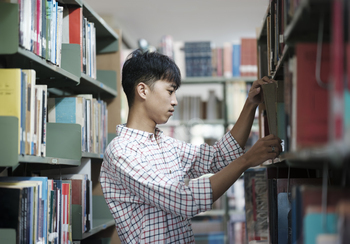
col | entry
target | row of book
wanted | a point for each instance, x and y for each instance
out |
(44, 25)
(21, 97)
(40, 209)
(299, 108)
(294, 209)
(40, 28)
(195, 108)
(87, 111)
(203, 59)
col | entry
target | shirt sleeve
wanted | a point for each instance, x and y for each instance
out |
(204, 159)
(130, 179)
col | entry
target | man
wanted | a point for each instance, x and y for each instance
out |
(143, 172)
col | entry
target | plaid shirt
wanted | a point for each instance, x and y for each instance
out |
(143, 182)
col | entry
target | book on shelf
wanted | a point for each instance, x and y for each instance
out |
(179, 57)
(310, 100)
(11, 99)
(236, 60)
(273, 94)
(198, 58)
(249, 59)
(38, 227)
(227, 59)
(256, 204)
(11, 214)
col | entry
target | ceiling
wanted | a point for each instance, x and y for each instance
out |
(217, 21)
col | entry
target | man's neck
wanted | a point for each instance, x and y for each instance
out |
(136, 120)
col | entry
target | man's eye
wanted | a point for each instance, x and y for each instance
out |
(170, 92)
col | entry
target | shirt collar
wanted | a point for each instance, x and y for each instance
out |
(139, 135)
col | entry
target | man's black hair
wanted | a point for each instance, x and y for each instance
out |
(147, 67)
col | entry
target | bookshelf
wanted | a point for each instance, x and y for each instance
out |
(292, 32)
(63, 141)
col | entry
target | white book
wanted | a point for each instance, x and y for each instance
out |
(42, 121)
(59, 35)
(65, 26)
(31, 74)
(39, 117)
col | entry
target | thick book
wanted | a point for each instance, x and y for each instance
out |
(76, 28)
(10, 96)
(249, 58)
(310, 108)
(10, 214)
(42, 203)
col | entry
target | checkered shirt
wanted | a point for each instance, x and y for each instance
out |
(143, 183)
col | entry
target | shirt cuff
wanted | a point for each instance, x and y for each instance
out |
(230, 148)
(202, 193)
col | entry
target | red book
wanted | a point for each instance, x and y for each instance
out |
(76, 29)
(338, 51)
(312, 103)
(65, 213)
(249, 57)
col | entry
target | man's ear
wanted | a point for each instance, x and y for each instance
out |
(142, 90)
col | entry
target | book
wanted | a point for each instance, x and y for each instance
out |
(236, 60)
(310, 106)
(10, 96)
(249, 59)
(31, 74)
(76, 28)
(42, 203)
(68, 110)
(10, 214)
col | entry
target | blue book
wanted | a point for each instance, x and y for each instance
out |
(70, 110)
(347, 111)
(236, 60)
(314, 225)
(23, 112)
(42, 201)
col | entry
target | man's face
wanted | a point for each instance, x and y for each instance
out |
(161, 101)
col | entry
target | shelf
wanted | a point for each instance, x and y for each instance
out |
(46, 72)
(218, 212)
(99, 224)
(92, 155)
(304, 25)
(47, 160)
(199, 80)
(106, 37)
(71, 2)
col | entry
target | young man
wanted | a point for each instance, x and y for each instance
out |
(143, 172)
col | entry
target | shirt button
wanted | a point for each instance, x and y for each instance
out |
(169, 171)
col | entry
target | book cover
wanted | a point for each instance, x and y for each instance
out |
(23, 112)
(42, 183)
(311, 109)
(31, 74)
(76, 28)
(227, 59)
(236, 60)
(67, 110)
(10, 96)
(10, 214)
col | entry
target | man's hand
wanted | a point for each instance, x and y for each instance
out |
(254, 95)
(268, 147)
